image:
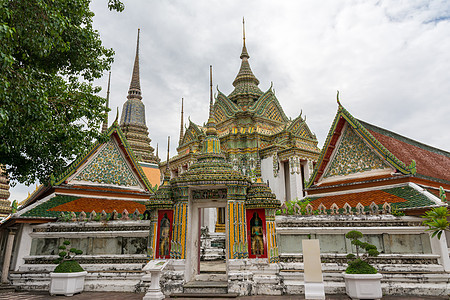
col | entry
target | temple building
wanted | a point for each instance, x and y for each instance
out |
(254, 131)
(361, 162)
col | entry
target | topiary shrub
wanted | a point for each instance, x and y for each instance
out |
(357, 264)
(68, 266)
(65, 261)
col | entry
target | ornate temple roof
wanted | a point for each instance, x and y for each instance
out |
(357, 154)
(5, 205)
(246, 89)
(132, 121)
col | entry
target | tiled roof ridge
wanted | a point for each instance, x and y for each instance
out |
(404, 139)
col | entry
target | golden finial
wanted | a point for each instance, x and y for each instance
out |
(243, 29)
(337, 97)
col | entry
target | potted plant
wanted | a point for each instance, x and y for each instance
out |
(68, 276)
(362, 281)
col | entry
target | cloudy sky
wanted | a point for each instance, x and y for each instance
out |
(390, 60)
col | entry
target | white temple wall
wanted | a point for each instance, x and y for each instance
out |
(23, 246)
(276, 183)
(209, 217)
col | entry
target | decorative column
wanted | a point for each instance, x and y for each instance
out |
(8, 253)
(272, 246)
(178, 249)
(236, 225)
(151, 247)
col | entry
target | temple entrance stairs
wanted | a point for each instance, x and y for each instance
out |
(212, 282)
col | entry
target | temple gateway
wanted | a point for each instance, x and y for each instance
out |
(227, 214)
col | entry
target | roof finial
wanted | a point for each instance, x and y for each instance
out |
(244, 48)
(167, 171)
(181, 124)
(211, 125)
(337, 98)
(157, 155)
(105, 120)
(243, 29)
(117, 116)
(135, 85)
(168, 148)
(210, 93)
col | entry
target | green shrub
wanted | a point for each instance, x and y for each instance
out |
(357, 264)
(68, 266)
(65, 261)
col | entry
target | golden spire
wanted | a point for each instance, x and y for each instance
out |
(181, 124)
(243, 29)
(168, 148)
(157, 156)
(244, 48)
(105, 120)
(211, 125)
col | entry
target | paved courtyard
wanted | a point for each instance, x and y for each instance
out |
(134, 296)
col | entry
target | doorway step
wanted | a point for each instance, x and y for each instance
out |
(205, 289)
(6, 288)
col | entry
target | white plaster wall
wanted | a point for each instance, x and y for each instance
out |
(439, 246)
(275, 183)
(209, 218)
(296, 186)
(24, 246)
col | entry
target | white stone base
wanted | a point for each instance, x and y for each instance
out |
(363, 286)
(314, 290)
(153, 294)
(67, 283)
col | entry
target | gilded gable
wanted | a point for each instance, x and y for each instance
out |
(108, 167)
(353, 155)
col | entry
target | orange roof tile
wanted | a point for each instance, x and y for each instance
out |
(90, 204)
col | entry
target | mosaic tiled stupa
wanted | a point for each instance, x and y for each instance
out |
(5, 205)
(132, 121)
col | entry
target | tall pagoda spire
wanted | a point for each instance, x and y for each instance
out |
(135, 85)
(246, 89)
(167, 171)
(105, 120)
(132, 121)
(182, 123)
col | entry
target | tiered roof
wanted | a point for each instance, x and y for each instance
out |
(108, 177)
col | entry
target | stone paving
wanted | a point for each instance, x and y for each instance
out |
(135, 296)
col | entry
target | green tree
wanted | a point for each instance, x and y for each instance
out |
(49, 111)
(437, 218)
